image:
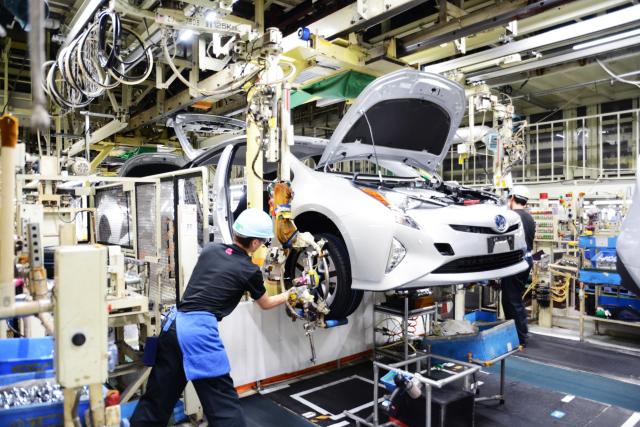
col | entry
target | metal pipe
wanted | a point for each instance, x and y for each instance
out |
(9, 132)
(47, 322)
(87, 137)
(26, 308)
(39, 117)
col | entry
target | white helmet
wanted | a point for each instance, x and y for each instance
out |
(254, 222)
(521, 192)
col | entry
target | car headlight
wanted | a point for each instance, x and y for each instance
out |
(396, 255)
(399, 216)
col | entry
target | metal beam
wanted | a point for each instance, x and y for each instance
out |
(85, 12)
(101, 134)
(368, 23)
(550, 18)
(104, 152)
(476, 22)
(560, 35)
(557, 59)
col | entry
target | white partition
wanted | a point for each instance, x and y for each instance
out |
(263, 344)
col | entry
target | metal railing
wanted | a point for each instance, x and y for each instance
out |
(595, 146)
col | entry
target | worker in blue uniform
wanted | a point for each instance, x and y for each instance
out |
(513, 287)
(189, 346)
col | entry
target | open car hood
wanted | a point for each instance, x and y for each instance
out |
(413, 115)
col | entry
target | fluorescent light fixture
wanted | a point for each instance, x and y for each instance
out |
(211, 16)
(610, 202)
(607, 39)
(185, 35)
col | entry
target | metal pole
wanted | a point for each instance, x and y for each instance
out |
(376, 373)
(581, 311)
(502, 369)
(427, 421)
(405, 327)
(9, 131)
(87, 137)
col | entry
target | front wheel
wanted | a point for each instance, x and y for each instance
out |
(335, 276)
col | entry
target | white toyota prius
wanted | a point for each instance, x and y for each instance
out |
(374, 195)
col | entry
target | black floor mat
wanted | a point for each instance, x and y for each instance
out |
(345, 395)
(354, 392)
(263, 412)
(525, 405)
(582, 356)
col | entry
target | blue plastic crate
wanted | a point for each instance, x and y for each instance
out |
(43, 414)
(484, 346)
(9, 379)
(619, 301)
(20, 355)
(601, 277)
(51, 414)
(481, 316)
(597, 242)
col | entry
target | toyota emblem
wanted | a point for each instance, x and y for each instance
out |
(501, 223)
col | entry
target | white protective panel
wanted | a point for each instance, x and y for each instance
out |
(265, 343)
(81, 315)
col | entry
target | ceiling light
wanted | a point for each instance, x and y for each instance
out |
(210, 16)
(607, 39)
(185, 35)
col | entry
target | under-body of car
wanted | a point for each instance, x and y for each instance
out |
(400, 226)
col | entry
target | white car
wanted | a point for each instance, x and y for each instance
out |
(398, 227)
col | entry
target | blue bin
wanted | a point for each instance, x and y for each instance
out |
(619, 301)
(481, 316)
(483, 347)
(43, 414)
(51, 414)
(597, 242)
(6, 380)
(21, 355)
(600, 277)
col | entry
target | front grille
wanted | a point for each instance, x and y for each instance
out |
(474, 264)
(481, 230)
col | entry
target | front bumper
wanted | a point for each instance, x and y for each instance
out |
(433, 279)
(424, 265)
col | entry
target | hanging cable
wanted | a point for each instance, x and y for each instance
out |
(616, 77)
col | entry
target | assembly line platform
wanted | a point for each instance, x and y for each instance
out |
(560, 381)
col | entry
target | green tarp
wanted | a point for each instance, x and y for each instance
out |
(347, 85)
(129, 154)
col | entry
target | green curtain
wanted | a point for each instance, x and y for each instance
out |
(131, 153)
(347, 85)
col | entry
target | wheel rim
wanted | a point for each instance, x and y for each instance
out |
(326, 270)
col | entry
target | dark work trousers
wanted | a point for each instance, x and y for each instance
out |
(167, 380)
(513, 288)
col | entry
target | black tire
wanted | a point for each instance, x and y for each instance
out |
(342, 299)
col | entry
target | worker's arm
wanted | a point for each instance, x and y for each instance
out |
(267, 302)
